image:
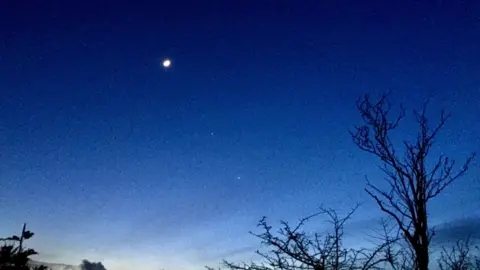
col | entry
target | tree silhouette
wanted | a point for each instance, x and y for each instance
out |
(412, 183)
(292, 248)
(13, 255)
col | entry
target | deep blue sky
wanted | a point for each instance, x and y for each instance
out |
(109, 157)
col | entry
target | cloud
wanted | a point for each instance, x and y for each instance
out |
(452, 231)
(232, 253)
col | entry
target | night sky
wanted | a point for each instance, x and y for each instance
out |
(109, 156)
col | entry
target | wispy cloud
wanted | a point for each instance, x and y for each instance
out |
(229, 254)
(457, 229)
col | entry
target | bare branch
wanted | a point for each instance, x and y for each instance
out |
(459, 257)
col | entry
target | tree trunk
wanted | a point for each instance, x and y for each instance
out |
(422, 258)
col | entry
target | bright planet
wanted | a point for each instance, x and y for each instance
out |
(167, 63)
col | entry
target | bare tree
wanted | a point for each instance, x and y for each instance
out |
(459, 257)
(412, 183)
(291, 248)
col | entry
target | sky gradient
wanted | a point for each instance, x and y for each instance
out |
(108, 156)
